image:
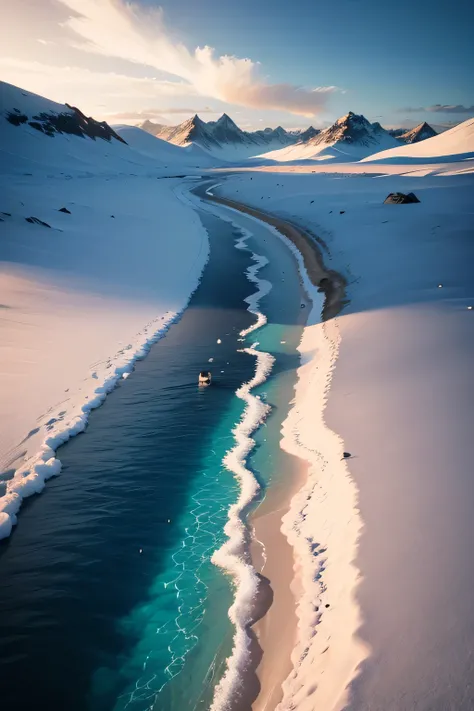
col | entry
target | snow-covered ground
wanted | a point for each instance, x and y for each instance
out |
(401, 399)
(82, 296)
(457, 144)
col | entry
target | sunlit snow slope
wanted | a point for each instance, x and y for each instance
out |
(453, 145)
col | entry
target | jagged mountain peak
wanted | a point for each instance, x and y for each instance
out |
(351, 128)
(223, 135)
(196, 120)
(308, 134)
(419, 133)
(352, 119)
(226, 119)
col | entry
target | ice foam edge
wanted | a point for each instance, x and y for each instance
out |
(323, 524)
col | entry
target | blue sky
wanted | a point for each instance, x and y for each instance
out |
(388, 60)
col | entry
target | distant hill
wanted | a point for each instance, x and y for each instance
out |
(417, 134)
(397, 132)
(453, 145)
(309, 133)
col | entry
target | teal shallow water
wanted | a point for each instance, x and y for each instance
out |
(109, 569)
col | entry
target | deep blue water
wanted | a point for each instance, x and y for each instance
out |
(108, 599)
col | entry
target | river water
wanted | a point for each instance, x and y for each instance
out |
(108, 596)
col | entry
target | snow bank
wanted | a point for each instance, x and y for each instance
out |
(410, 288)
(339, 152)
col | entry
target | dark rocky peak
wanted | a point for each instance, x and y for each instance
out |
(308, 133)
(72, 122)
(419, 133)
(351, 128)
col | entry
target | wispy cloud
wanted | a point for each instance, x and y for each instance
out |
(440, 108)
(114, 28)
(88, 88)
(157, 114)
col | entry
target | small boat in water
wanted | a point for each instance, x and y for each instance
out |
(204, 377)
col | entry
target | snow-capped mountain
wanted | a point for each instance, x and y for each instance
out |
(417, 134)
(39, 135)
(351, 137)
(20, 108)
(192, 131)
(352, 129)
(309, 133)
(222, 138)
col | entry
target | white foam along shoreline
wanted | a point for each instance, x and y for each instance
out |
(323, 525)
(41, 465)
(30, 478)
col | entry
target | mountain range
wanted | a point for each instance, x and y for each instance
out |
(35, 131)
(222, 135)
(353, 136)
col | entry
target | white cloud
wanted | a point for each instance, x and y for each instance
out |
(114, 29)
(89, 87)
(162, 115)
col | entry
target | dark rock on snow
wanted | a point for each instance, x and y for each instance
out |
(37, 221)
(16, 118)
(73, 122)
(400, 199)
